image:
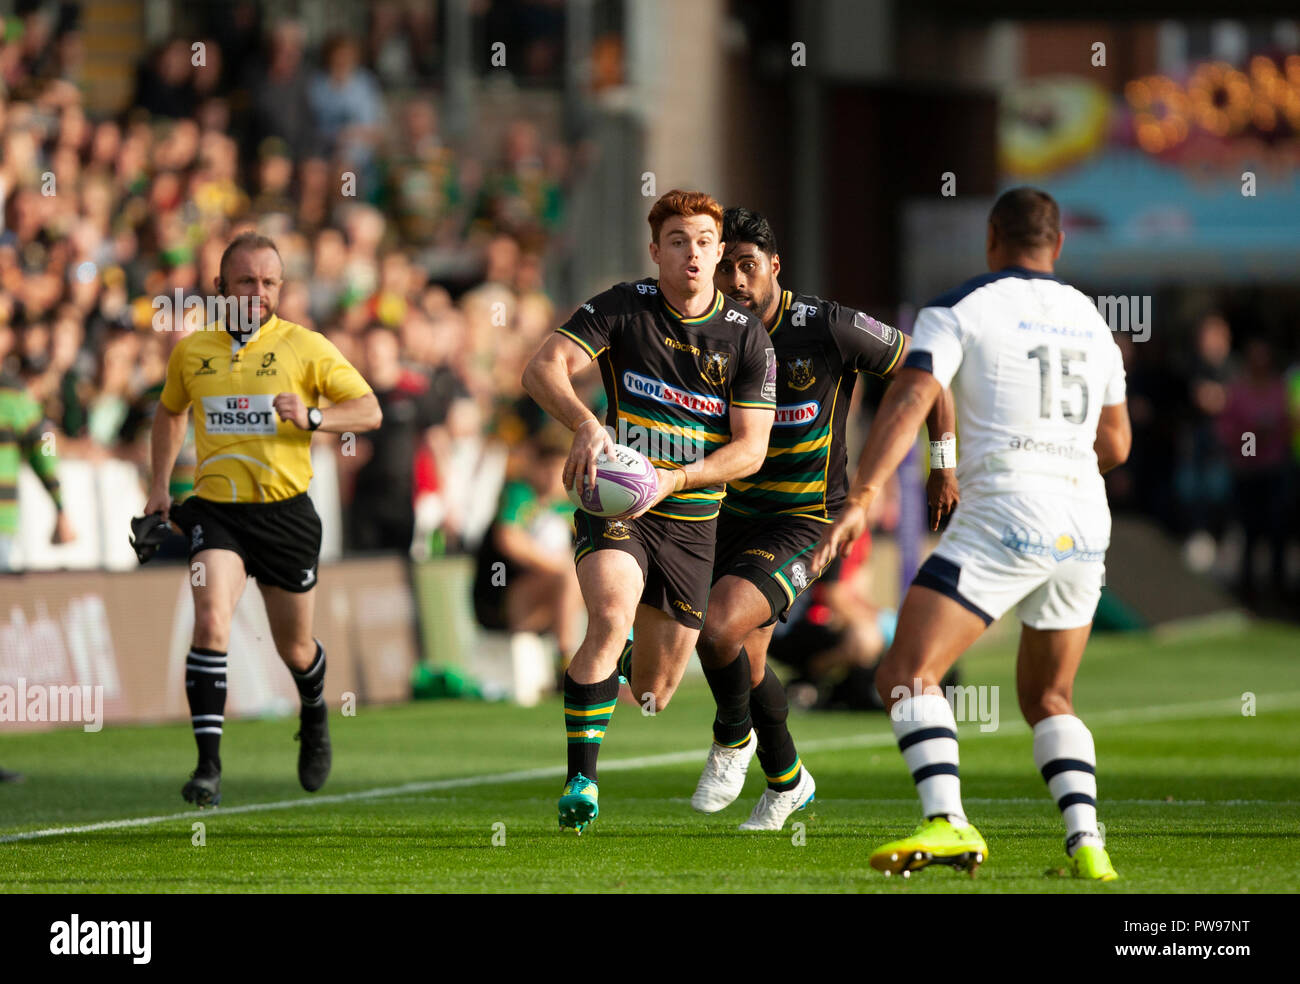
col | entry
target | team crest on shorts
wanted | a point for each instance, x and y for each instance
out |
(616, 529)
(799, 374)
(798, 576)
(714, 366)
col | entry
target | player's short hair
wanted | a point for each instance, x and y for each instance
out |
(248, 240)
(740, 225)
(1026, 218)
(685, 204)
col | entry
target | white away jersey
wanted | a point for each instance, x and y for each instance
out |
(1030, 363)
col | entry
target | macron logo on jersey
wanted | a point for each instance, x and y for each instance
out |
(253, 414)
(798, 413)
(661, 392)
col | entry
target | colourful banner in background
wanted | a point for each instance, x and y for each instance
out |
(1175, 179)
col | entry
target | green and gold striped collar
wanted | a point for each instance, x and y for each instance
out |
(787, 298)
(717, 306)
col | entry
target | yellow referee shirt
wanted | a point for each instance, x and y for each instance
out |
(246, 453)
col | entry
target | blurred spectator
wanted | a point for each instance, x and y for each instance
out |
(525, 580)
(423, 180)
(524, 193)
(1255, 428)
(274, 174)
(833, 637)
(383, 510)
(165, 82)
(280, 103)
(24, 436)
(401, 45)
(1202, 482)
(348, 107)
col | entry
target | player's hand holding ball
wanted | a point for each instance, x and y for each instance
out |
(670, 480)
(590, 441)
(625, 484)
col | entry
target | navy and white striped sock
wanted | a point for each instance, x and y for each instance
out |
(205, 689)
(311, 687)
(927, 736)
(1066, 756)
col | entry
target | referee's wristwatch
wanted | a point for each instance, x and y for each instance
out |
(314, 418)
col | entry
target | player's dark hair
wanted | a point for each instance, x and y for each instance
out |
(740, 225)
(247, 240)
(1026, 219)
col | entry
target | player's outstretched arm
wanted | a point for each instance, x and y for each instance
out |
(893, 432)
(165, 442)
(1114, 437)
(547, 380)
(941, 490)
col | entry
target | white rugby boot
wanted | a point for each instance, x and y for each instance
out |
(724, 776)
(773, 808)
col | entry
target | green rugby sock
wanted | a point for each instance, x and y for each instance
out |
(587, 710)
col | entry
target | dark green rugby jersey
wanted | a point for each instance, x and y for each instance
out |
(820, 347)
(22, 432)
(671, 381)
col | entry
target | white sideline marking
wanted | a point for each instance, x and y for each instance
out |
(1229, 705)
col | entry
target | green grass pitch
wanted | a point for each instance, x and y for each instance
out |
(1196, 796)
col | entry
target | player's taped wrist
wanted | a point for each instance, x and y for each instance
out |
(679, 486)
(943, 454)
(589, 420)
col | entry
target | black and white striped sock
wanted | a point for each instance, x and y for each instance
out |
(205, 689)
(927, 736)
(311, 687)
(1066, 756)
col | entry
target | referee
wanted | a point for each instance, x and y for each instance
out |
(254, 382)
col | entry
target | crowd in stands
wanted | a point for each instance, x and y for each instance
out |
(424, 262)
(1216, 438)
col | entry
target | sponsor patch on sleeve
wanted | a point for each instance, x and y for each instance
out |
(873, 327)
(769, 375)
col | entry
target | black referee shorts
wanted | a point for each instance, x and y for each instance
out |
(279, 542)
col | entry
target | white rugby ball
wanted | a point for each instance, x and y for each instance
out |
(625, 484)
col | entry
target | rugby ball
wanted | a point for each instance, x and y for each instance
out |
(625, 484)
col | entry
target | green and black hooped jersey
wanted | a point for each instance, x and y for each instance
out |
(820, 347)
(22, 431)
(671, 381)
